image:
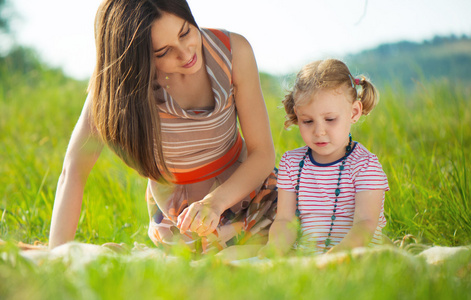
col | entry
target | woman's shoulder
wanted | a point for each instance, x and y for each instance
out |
(216, 31)
(219, 33)
(234, 42)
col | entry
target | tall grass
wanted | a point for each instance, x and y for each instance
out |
(421, 138)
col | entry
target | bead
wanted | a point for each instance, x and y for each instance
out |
(348, 148)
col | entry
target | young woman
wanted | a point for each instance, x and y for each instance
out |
(166, 96)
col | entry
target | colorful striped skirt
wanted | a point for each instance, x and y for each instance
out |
(247, 222)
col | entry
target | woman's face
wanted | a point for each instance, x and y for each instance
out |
(177, 45)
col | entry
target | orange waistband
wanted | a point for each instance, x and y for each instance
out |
(212, 169)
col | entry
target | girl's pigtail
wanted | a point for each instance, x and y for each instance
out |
(368, 95)
(288, 103)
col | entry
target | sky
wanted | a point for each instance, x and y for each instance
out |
(284, 35)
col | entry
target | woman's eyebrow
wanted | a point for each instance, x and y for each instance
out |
(179, 33)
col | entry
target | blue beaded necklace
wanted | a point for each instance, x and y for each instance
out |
(337, 190)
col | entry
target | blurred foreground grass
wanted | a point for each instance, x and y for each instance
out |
(386, 275)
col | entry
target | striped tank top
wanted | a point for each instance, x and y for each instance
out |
(199, 145)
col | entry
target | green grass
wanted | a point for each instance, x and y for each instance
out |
(382, 276)
(421, 137)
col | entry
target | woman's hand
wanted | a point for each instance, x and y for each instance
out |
(201, 217)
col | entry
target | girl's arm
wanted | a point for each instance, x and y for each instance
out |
(284, 230)
(253, 118)
(82, 153)
(365, 220)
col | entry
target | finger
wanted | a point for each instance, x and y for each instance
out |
(181, 216)
(205, 226)
(188, 219)
(210, 228)
(198, 224)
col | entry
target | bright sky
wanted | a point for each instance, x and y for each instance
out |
(284, 34)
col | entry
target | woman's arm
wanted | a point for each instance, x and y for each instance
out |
(365, 220)
(284, 230)
(82, 153)
(253, 118)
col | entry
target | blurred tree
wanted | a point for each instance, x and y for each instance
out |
(4, 18)
(406, 63)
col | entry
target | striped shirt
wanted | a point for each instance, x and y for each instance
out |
(317, 186)
(193, 140)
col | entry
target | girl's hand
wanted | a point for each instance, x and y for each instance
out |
(201, 217)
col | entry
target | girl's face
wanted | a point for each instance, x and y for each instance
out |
(177, 45)
(325, 123)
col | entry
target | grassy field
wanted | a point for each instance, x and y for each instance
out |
(422, 138)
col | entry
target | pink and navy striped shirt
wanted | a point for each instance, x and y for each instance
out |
(317, 186)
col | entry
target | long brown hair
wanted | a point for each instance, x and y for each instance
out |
(328, 74)
(123, 83)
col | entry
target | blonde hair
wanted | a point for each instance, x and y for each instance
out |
(328, 74)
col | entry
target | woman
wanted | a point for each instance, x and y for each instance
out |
(165, 96)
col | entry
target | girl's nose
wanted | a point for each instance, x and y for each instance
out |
(319, 130)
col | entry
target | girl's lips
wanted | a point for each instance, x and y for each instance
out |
(191, 63)
(321, 144)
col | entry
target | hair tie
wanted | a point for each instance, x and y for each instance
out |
(357, 81)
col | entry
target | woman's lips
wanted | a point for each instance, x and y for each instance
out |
(191, 63)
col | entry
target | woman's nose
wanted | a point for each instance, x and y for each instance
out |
(184, 53)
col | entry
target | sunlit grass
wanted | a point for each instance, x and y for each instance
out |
(421, 137)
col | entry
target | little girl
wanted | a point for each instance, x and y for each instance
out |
(334, 185)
